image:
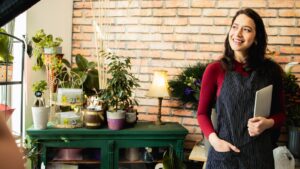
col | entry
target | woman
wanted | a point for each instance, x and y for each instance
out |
(241, 141)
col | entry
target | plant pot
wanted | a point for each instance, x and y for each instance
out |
(93, 119)
(53, 50)
(294, 141)
(132, 154)
(131, 118)
(6, 71)
(50, 64)
(116, 120)
(40, 117)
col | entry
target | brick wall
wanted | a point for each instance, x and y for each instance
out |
(171, 34)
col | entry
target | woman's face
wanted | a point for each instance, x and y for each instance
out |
(242, 34)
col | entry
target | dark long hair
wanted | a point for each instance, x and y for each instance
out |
(256, 52)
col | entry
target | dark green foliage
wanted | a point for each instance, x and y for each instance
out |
(41, 40)
(31, 151)
(121, 84)
(187, 85)
(171, 161)
(292, 99)
(5, 55)
(87, 72)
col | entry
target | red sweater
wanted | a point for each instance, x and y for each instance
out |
(212, 81)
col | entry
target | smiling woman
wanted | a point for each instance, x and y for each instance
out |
(230, 84)
(242, 36)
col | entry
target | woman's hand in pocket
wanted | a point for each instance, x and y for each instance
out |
(221, 145)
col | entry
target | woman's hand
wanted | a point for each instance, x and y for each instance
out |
(221, 145)
(257, 125)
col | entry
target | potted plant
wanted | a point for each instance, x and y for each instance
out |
(6, 59)
(187, 85)
(118, 94)
(45, 44)
(40, 111)
(87, 72)
(171, 161)
(31, 151)
(292, 99)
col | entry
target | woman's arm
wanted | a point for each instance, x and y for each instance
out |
(207, 98)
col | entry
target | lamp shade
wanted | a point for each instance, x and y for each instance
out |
(159, 86)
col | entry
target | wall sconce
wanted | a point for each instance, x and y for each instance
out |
(159, 88)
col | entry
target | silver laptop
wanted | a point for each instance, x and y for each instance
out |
(263, 100)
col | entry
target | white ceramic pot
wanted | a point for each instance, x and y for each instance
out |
(40, 117)
(53, 50)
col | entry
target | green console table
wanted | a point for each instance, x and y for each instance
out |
(110, 144)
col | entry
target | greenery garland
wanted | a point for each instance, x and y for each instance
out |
(187, 85)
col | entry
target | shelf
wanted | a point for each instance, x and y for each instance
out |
(104, 148)
(66, 104)
(138, 161)
(10, 83)
(75, 162)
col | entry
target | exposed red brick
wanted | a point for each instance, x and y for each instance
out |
(290, 31)
(182, 112)
(164, 12)
(228, 4)
(215, 12)
(151, 21)
(190, 121)
(172, 55)
(282, 4)
(254, 3)
(279, 40)
(177, 4)
(289, 12)
(175, 21)
(151, 4)
(82, 5)
(203, 3)
(189, 12)
(282, 22)
(185, 46)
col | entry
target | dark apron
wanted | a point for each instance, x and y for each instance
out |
(234, 107)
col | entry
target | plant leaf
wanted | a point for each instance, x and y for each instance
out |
(81, 62)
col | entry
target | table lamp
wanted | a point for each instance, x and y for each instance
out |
(159, 89)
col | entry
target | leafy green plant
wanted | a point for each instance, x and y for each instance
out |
(31, 151)
(171, 161)
(187, 85)
(5, 55)
(39, 86)
(292, 99)
(87, 72)
(118, 94)
(41, 40)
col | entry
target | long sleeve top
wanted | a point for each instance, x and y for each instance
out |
(212, 81)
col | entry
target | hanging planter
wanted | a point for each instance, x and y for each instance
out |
(53, 64)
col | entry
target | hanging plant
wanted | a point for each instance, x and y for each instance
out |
(186, 87)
